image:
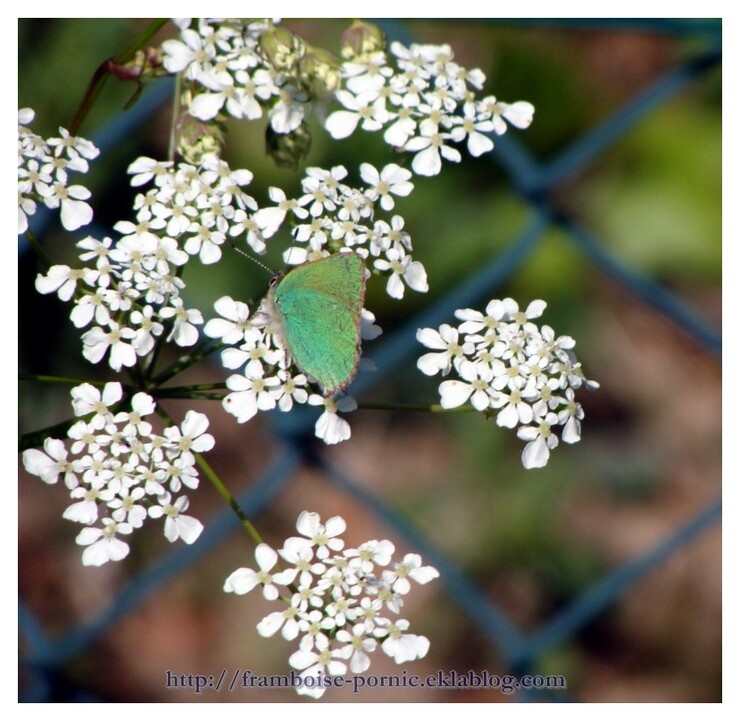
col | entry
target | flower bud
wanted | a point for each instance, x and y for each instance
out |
(282, 48)
(196, 139)
(362, 38)
(320, 73)
(288, 149)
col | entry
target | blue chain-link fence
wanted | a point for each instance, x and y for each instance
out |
(45, 656)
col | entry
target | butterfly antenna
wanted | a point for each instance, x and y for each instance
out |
(251, 257)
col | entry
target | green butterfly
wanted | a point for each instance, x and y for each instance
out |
(316, 308)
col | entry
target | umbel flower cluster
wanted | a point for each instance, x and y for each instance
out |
(419, 96)
(246, 69)
(508, 365)
(119, 472)
(43, 174)
(342, 604)
(422, 100)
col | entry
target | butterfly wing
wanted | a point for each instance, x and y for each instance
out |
(318, 306)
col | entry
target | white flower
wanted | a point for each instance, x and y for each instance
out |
(393, 179)
(49, 465)
(402, 127)
(360, 645)
(516, 411)
(75, 148)
(292, 389)
(477, 387)
(126, 507)
(519, 114)
(206, 105)
(63, 280)
(400, 646)
(570, 418)
(430, 148)
(250, 393)
(96, 343)
(449, 350)
(189, 52)
(367, 108)
(144, 169)
(476, 322)
(411, 567)
(86, 398)
(75, 211)
(269, 220)
(177, 525)
(299, 553)
(86, 510)
(474, 129)
(181, 471)
(277, 620)
(191, 437)
(370, 553)
(324, 661)
(243, 580)
(149, 329)
(103, 544)
(540, 438)
(234, 326)
(404, 269)
(184, 331)
(324, 537)
(330, 427)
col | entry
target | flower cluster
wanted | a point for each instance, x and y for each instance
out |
(423, 101)
(133, 292)
(119, 472)
(330, 215)
(340, 601)
(245, 69)
(508, 364)
(43, 167)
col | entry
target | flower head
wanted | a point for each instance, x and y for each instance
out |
(42, 174)
(118, 467)
(508, 365)
(339, 603)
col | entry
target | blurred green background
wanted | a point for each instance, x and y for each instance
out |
(533, 540)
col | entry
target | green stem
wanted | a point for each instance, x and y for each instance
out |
(161, 340)
(39, 250)
(184, 362)
(433, 408)
(226, 495)
(186, 391)
(218, 485)
(191, 395)
(37, 438)
(181, 390)
(102, 72)
(158, 345)
(62, 380)
(175, 115)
